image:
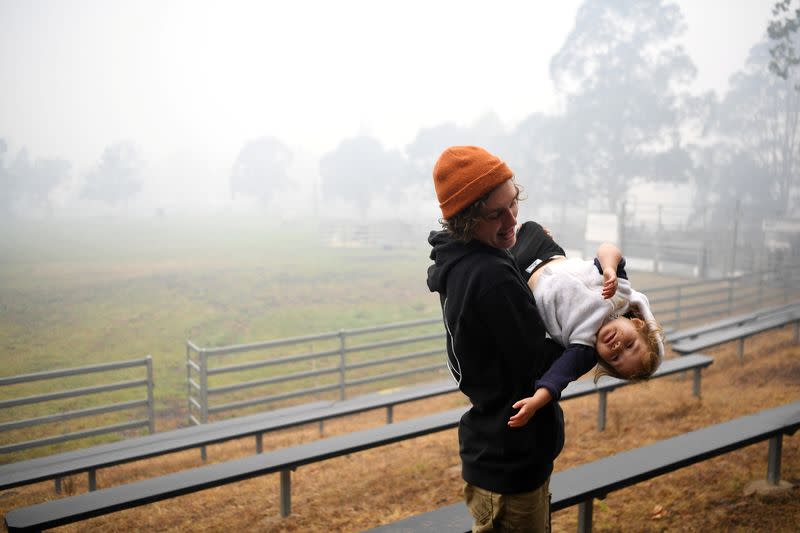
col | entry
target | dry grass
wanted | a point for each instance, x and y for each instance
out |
(378, 486)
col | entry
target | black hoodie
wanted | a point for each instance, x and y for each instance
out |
(496, 349)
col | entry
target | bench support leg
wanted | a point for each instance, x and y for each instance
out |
(259, 443)
(203, 455)
(601, 411)
(92, 480)
(58, 485)
(321, 427)
(774, 460)
(740, 350)
(389, 414)
(286, 493)
(696, 384)
(585, 516)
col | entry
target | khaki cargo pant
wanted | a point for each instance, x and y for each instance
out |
(525, 512)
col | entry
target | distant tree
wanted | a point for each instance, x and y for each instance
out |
(45, 175)
(428, 145)
(782, 30)
(543, 158)
(261, 168)
(117, 177)
(6, 184)
(359, 168)
(622, 72)
(487, 131)
(758, 122)
(25, 184)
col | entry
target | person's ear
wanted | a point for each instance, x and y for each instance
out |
(638, 323)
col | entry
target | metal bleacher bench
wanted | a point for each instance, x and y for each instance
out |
(102, 456)
(134, 449)
(75, 508)
(736, 329)
(581, 484)
(731, 321)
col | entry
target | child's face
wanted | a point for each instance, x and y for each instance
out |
(621, 344)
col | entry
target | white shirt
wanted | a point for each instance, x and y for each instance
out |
(569, 298)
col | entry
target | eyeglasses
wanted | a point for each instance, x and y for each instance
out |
(496, 214)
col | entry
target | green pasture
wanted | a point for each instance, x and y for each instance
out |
(86, 291)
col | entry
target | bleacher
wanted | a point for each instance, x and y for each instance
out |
(68, 510)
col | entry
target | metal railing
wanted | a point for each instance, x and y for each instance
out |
(677, 306)
(313, 365)
(337, 362)
(146, 403)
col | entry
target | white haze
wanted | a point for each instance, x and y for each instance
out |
(189, 82)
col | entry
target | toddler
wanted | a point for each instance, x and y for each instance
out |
(590, 308)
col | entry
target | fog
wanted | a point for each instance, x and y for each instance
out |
(662, 113)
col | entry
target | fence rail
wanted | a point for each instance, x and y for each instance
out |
(146, 403)
(338, 362)
(338, 365)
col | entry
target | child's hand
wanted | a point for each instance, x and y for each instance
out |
(528, 406)
(609, 282)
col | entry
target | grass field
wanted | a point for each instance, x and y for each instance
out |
(87, 291)
(83, 292)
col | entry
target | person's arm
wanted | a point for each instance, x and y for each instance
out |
(609, 256)
(510, 314)
(576, 360)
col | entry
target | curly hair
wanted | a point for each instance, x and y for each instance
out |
(462, 225)
(651, 333)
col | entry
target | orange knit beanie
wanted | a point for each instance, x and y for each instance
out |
(463, 174)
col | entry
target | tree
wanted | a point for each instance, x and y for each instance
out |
(6, 183)
(359, 168)
(428, 145)
(261, 168)
(117, 176)
(759, 123)
(28, 185)
(622, 71)
(783, 29)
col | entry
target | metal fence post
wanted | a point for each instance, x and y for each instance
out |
(189, 380)
(286, 493)
(696, 383)
(774, 460)
(342, 364)
(203, 395)
(585, 516)
(601, 410)
(151, 411)
(730, 296)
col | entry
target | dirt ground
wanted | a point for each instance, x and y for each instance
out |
(378, 486)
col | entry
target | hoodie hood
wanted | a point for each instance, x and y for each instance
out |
(445, 254)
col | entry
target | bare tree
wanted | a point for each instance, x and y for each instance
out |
(117, 177)
(622, 73)
(359, 168)
(261, 168)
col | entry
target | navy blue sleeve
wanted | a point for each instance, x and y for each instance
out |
(576, 360)
(620, 268)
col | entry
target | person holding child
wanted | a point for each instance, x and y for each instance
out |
(497, 345)
(590, 308)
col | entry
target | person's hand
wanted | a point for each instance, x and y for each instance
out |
(609, 282)
(528, 406)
